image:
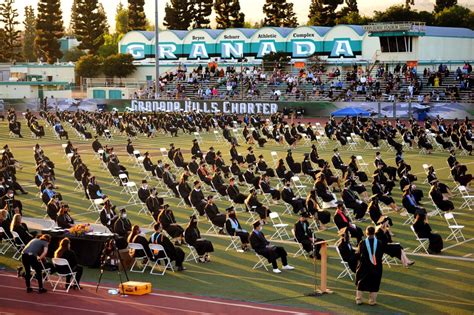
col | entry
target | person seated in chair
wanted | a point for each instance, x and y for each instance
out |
(108, 216)
(197, 198)
(287, 194)
(254, 205)
(137, 237)
(213, 214)
(392, 249)
(342, 220)
(192, 235)
(233, 228)
(348, 253)
(169, 224)
(175, 254)
(64, 220)
(264, 185)
(305, 236)
(234, 193)
(352, 201)
(423, 230)
(439, 200)
(271, 252)
(338, 163)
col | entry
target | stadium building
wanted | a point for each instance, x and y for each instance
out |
(400, 42)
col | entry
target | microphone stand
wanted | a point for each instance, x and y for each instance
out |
(316, 292)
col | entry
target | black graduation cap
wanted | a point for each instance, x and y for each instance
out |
(229, 209)
(382, 220)
(305, 214)
(256, 224)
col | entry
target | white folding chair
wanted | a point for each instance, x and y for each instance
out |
(123, 178)
(424, 242)
(425, 168)
(218, 136)
(45, 274)
(347, 270)
(389, 261)
(6, 242)
(299, 187)
(280, 227)
(456, 229)
(234, 244)
(143, 259)
(156, 249)
(61, 262)
(193, 255)
(468, 199)
(352, 145)
(132, 190)
(198, 137)
(261, 263)
(362, 164)
(18, 245)
(301, 251)
(275, 158)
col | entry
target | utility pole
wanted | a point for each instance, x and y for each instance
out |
(157, 52)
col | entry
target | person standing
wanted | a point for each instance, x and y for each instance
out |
(369, 269)
(32, 254)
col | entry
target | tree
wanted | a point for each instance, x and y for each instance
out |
(279, 13)
(228, 14)
(103, 16)
(90, 25)
(352, 6)
(178, 15)
(29, 34)
(443, 4)
(11, 35)
(201, 10)
(121, 19)
(353, 18)
(323, 12)
(455, 16)
(88, 66)
(74, 17)
(49, 29)
(136, 15)
(119, 65)
(409, 3)
(110, 46)
(73, 55)
(395, 13)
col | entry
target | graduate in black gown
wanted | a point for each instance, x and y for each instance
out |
(313, 207)
(423, 230)
(438, 198)
(392, 249)
(369, 269)
(169, 224)
(346, 250)
(193, 237)
(306, 237)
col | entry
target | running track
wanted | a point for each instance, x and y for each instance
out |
(15, 300)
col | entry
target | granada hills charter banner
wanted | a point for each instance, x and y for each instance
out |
(226, 107)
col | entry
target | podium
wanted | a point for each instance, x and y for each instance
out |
(323, 289)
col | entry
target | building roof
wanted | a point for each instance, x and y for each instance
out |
(179, 34)
(148, 35)
(321, 30)
(439, 31)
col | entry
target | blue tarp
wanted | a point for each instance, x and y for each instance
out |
(350, 111)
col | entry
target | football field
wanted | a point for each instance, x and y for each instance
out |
(436, 284)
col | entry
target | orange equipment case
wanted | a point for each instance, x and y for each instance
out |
(135, 288)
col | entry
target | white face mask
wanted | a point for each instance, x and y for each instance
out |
(10, 195)
(145, 186)
(124, 216)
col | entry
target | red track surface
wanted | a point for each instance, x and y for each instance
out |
(15, 300)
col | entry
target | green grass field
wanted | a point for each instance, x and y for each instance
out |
(434, 285)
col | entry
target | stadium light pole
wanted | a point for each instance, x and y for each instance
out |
(157, 52)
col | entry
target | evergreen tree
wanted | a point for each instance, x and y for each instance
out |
(352, 6)
(228, 14)
(201, 11)
(323, 12)
(103, 17)
(121, 19)
(11, 35)
(443, 4)
(178, 15)
(90, 25)
(29, 34)
(49, 29)
(136, 15)
(279, 13)
(72, 22)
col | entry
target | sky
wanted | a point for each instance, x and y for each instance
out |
(251, 8)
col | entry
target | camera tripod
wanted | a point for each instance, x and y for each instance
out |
(103, 259)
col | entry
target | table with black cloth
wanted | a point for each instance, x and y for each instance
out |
(88, 248)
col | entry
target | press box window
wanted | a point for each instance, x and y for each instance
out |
(396, 44)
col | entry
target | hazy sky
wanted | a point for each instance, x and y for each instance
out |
(251, 8)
